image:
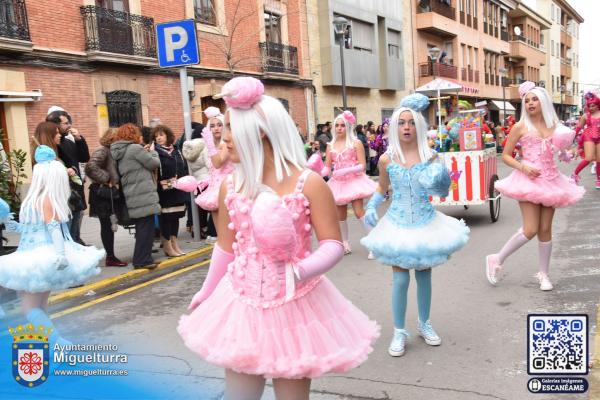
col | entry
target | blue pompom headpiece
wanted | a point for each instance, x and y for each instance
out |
(44, 154)
(4, 211)
(415, 101)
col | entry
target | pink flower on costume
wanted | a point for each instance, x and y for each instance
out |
(348, 116)
(525, 87)
(242, 92)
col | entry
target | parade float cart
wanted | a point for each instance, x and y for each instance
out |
(473, 174)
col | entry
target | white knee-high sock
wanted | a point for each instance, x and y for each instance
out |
(545, 251)
(344, 228)
(513, 244)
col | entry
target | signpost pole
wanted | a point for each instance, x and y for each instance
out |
(187, 124)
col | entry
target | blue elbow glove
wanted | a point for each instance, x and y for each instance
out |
(371, 210)
(436, 180)
(58, 242)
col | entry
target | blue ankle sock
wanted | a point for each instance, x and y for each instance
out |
(38, 317)
(423, 293)
(399, 292)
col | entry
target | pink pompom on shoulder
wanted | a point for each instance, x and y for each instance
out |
(242, 92)
(348, 116)
(563, 137)
(212, 112)
(525, 87)
(186, 184)
(273, 227)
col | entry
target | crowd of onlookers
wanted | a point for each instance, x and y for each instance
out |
(131, 178)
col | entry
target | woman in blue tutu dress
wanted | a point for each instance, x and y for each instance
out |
(47, 258)
(412, 234)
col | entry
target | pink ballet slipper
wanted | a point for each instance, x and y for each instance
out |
(186, 184)
(242, 92)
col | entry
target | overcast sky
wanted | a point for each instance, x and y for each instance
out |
(589, 42)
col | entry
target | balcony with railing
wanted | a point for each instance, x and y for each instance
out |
(279, 58)
(118, 36)
(565, 67)
(14, 27)
(436, 18)
(470, 75)
(504, 35)
(438, 70)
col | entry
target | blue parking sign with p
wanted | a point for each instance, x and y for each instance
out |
(176, 43)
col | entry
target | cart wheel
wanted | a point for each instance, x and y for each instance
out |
(494, 204)
(466, 207)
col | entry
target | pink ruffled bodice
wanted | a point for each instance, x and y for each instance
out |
(347, 158)
(592, 128)
(539, 153)
(258, 273)
(217, 174)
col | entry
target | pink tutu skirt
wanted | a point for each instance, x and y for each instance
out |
(307, 337)
(347, 188)
(557, 192)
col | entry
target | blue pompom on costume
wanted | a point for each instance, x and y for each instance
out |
(412, 234)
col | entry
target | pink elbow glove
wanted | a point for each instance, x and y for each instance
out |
(218, 267)
(207, 135)
(325, 257)
(348, 170)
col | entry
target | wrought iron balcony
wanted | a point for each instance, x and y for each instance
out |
(438, 8)
(13, 20)
(277, 57)
(437, 69)
(118, 32)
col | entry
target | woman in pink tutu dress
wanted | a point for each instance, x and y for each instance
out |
(348, 182)
(219, 164)
(535, 183)
(589, 141)
(265, 309)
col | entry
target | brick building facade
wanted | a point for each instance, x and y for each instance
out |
(96, 59)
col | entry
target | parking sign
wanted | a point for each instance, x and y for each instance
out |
(176, 43)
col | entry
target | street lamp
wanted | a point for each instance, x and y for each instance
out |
(503, 72)
(434, 53)
(339, 27)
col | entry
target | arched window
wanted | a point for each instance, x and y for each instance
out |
(123, 107)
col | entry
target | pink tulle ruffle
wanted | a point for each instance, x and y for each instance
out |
(351, 187)
(557, 192)
(317, 333)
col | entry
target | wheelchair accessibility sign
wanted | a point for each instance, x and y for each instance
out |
(176, 43)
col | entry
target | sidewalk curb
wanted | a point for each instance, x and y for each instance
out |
(80, 291)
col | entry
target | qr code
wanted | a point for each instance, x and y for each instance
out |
(557, 344)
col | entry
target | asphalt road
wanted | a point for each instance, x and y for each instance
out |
(483, 328)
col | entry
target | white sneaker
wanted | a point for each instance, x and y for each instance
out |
(544, 281)
(347, 248)
(396, 348)
(426, 331)
(593, 168)
(371, 256)
(492, 269)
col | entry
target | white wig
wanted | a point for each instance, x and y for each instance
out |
(350, 137)
(267, 116)
(550, 117)
(421, 126)
(50, 181)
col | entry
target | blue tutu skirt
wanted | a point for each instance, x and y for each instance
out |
(35, 269)
(419, 247)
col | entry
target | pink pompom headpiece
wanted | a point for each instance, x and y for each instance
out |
(212, 112)
(348, 116)
(525, 88)
(242, 92)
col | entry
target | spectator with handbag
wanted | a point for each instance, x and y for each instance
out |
(172, 200)
(136, 165)
(105, 198)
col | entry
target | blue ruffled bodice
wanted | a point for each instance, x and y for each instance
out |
(35, 235)
(411, 190)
